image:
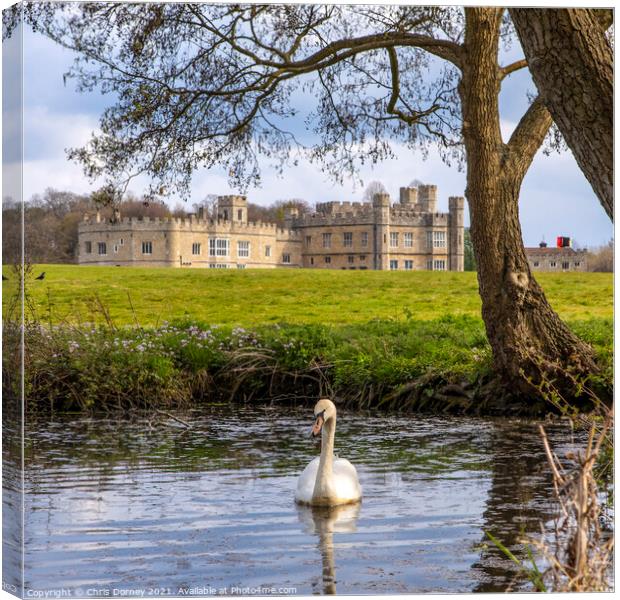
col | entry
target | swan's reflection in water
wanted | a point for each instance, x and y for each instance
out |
(324, 521)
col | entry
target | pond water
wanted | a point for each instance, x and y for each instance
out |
(119, 508)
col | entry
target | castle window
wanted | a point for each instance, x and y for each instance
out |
(364, 238)
(286, 258)
(217, 266)
(327, 240)
(240, 266)
(565, 265)
(225, 215)
(240, 214)
(121, 241)
(363, 257)
(429, 265)
(328, 260)
(408, 265)
(393, 265)
(88, 247)
(196, 249)
(219, 247)
(577, 264)
(351, 259)
(243, 249)
(394, 239)
(429, 240)
(115, 248)
(552, 263)
(312, 260)
(439, 239)
(347, 239)
(536, 263)
(308, 240)
(147, 247)
(102, 248)
(439, 265)
(267, 251)
(408, 239)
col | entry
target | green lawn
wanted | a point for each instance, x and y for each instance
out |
(254, 297)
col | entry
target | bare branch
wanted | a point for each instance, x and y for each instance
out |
(515, 66)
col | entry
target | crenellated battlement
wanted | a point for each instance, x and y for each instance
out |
(343, 208)
(191, 223)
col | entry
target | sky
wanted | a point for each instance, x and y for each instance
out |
(556, 199)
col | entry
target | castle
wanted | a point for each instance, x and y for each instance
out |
(409, 235)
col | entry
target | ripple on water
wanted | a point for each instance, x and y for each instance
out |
(123, 505)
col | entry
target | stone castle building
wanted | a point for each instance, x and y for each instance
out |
(409, 235)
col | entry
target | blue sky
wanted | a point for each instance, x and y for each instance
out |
(556, 199)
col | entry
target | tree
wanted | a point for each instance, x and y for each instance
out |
(571, 61)
(374, 187)
(601, 259)
(202, 85)
(469, 258)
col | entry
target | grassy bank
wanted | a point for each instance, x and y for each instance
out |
(256, 297)
(108, 338)
(440, 364)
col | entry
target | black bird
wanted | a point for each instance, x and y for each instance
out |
(4, 277)
(42, 276)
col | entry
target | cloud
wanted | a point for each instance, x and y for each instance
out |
(48, 134)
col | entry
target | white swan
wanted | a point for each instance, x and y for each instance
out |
(327, 481)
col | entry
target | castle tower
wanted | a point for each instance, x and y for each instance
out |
(381, 231)
(408, 197)
(427, 198)
(290, 214)
(456, 227)
(232, 208)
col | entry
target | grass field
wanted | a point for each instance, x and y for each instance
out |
(253, 297)
(365, 337)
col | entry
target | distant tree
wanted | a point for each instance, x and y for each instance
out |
(470, 258)
(133, 207)
(374, 187)
(179, 211)
(415, 183)
(50, 225)
(208, 204)
(274, 213)
(601, 259)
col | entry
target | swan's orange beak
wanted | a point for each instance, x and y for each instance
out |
(318, 425)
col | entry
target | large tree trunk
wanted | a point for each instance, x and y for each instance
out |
(531, 345)
(571, 62)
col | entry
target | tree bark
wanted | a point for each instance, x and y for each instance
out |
(531, 344)
(571, 62)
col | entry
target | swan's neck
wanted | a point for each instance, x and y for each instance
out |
(323, 485)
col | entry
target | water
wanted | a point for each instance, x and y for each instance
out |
(115, 507)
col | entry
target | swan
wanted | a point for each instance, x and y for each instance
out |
(327, 481)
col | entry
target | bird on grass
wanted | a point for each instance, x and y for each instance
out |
(41, 277)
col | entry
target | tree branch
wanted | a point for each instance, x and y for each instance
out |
(515, 66)
(527, 137)
(414, 116)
